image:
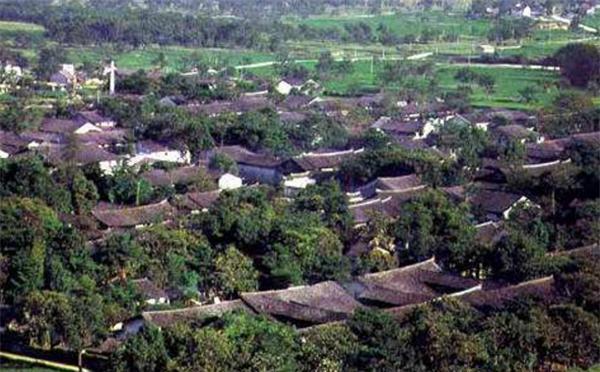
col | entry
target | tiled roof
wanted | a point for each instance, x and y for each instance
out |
(242, 155)
(320, 303)
(115, 217)
(417, 283)
(167, 318)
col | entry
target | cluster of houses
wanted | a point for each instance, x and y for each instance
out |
(88, 137)
(395, 291)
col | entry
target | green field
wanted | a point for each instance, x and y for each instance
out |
(13, 31)
(509, 81)
(13, 366)
(175, 56)
(403, 24)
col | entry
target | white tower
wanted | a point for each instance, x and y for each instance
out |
(111, 72)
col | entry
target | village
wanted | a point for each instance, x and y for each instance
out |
(143, 209)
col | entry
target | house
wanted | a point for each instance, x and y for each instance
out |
(239, 106)
(486, 49)
(105, 138)
(418, 283)
(543, 289)
(303, 170)
(11, 144)
(287, 85)
(408, 129)
(176, 176)
(516, 132)
(94, 118)
(115, 217)
(485, 299)
(83, 155)
(188, 315)
(296, 102)
(67, 126)
(66, 78)
(495, 205)
(13, 70)
(489, 233)
(392, 185)
(388, 205)
(196, 202)
(304, 306)
(545, 156)
(152, 152)
(253, 167)
(150, 292)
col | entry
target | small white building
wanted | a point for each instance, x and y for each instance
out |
(152, 152)
(229, 181)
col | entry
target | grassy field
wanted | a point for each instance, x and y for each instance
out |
(12, 366)
(403, 24)
(509, 81)
(175, 56)
(12, 31)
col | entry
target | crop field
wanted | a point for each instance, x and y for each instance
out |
(509, 81)
(403, 24)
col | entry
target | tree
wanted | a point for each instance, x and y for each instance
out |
(223, 163)
(17, 117)
(328, 199)
(26, 228)
(28, 177)
(84, 194)
(127, 187)
(328, 348)
(49, 60)
(235, 273)
(528, 94)
(516, 257)
(144, 352)
(487, 82)
(569, 113)
(121, 255)
(579, 63)
(432, 226)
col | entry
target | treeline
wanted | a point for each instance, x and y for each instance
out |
(139, 27)
(136, 27)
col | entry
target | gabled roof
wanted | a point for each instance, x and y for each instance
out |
(242, 155)
(93, 117)
(305, 305)
(514, 131)
(62, 126)
(412, 284)
(544, 152)
(197, 201)
(488, 233)
(399, 184)
(319, 161)
(167, 318)
(106, 137)
(148, 289)
(390, 205)
(494, 201)
(179, 175)
(85, 154)
(542, 289)
(115, 217)
(397, 126)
